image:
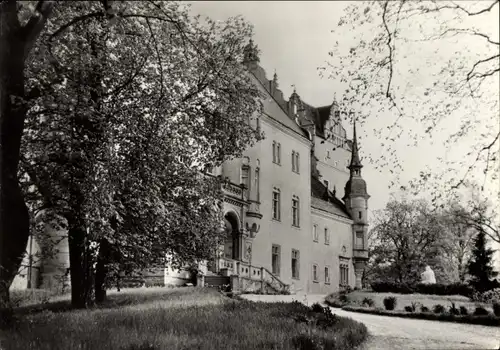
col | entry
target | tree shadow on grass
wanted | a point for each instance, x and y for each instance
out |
(118, 300)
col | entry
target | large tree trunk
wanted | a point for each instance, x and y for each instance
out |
(80, 267)
(16, 42)
(14, 217)
(101, 271)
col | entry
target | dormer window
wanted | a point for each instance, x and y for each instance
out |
(337, 114)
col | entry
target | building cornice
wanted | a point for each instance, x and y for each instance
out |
(333, 167)
(328, 215)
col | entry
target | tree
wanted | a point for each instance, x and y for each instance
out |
(140, 103)
(424, 63)
(20, 26)
(481, 265)
(407, 237)
(480, 215)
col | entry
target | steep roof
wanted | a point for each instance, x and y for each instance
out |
(323, 199)
(275, 111)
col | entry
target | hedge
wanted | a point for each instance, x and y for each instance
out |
(433, 289)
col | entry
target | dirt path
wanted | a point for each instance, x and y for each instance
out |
(404, 334)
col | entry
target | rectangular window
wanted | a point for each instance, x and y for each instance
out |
(295, 211)
(327, 275)
(360, 215)
(295, 161)
(315, 273)
(245, 176)
(295, 263)
(327, 155)
(257, 183)
(278, 154)
(276, 204)
(327, 236)
(315, 233)
(344, 275)
(275, 262)
(327, 183)
(360, 240)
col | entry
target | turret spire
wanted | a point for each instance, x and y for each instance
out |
(355, 165)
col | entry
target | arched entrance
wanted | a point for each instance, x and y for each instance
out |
(232, 244)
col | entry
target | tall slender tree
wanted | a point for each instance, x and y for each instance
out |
(480, 266)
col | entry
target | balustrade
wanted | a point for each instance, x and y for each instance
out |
(243, 269)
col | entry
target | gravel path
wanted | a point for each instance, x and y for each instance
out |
(403, 333)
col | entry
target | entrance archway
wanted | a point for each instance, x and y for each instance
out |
(232, 245)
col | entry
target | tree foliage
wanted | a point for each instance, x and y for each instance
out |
(133, 101)
(406, 237)
(481, 264)
(409, 233)
(427, 70)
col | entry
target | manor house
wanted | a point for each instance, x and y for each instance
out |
(296, 203)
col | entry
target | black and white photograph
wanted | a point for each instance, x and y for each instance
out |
(225, 175)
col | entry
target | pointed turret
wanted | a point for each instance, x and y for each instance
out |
(355, 165)
(356, 202)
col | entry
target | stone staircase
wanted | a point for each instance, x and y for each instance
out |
(245, 278)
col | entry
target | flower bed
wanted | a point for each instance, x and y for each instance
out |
(485, 320)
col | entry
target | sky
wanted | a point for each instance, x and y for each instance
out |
(295, 38)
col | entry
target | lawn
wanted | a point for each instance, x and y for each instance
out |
(181, 318)
(356, 297)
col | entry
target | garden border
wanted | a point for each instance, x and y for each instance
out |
(489, 320)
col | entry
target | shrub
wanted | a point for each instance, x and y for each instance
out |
(481, 311)
(408, 309)
(338, 299)
(390, 303)
(424, 308)
(414, 306)
(308, 341)
(463, 311)
(453, 309)
(496, 309)
(491, 296)
(391, 287)
(438, 309)
(343, 298)
(316, 307)
(368, 302)
(445, 289)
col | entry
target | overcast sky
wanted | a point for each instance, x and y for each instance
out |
(294, 39)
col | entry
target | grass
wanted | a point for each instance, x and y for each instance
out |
(182, 318)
